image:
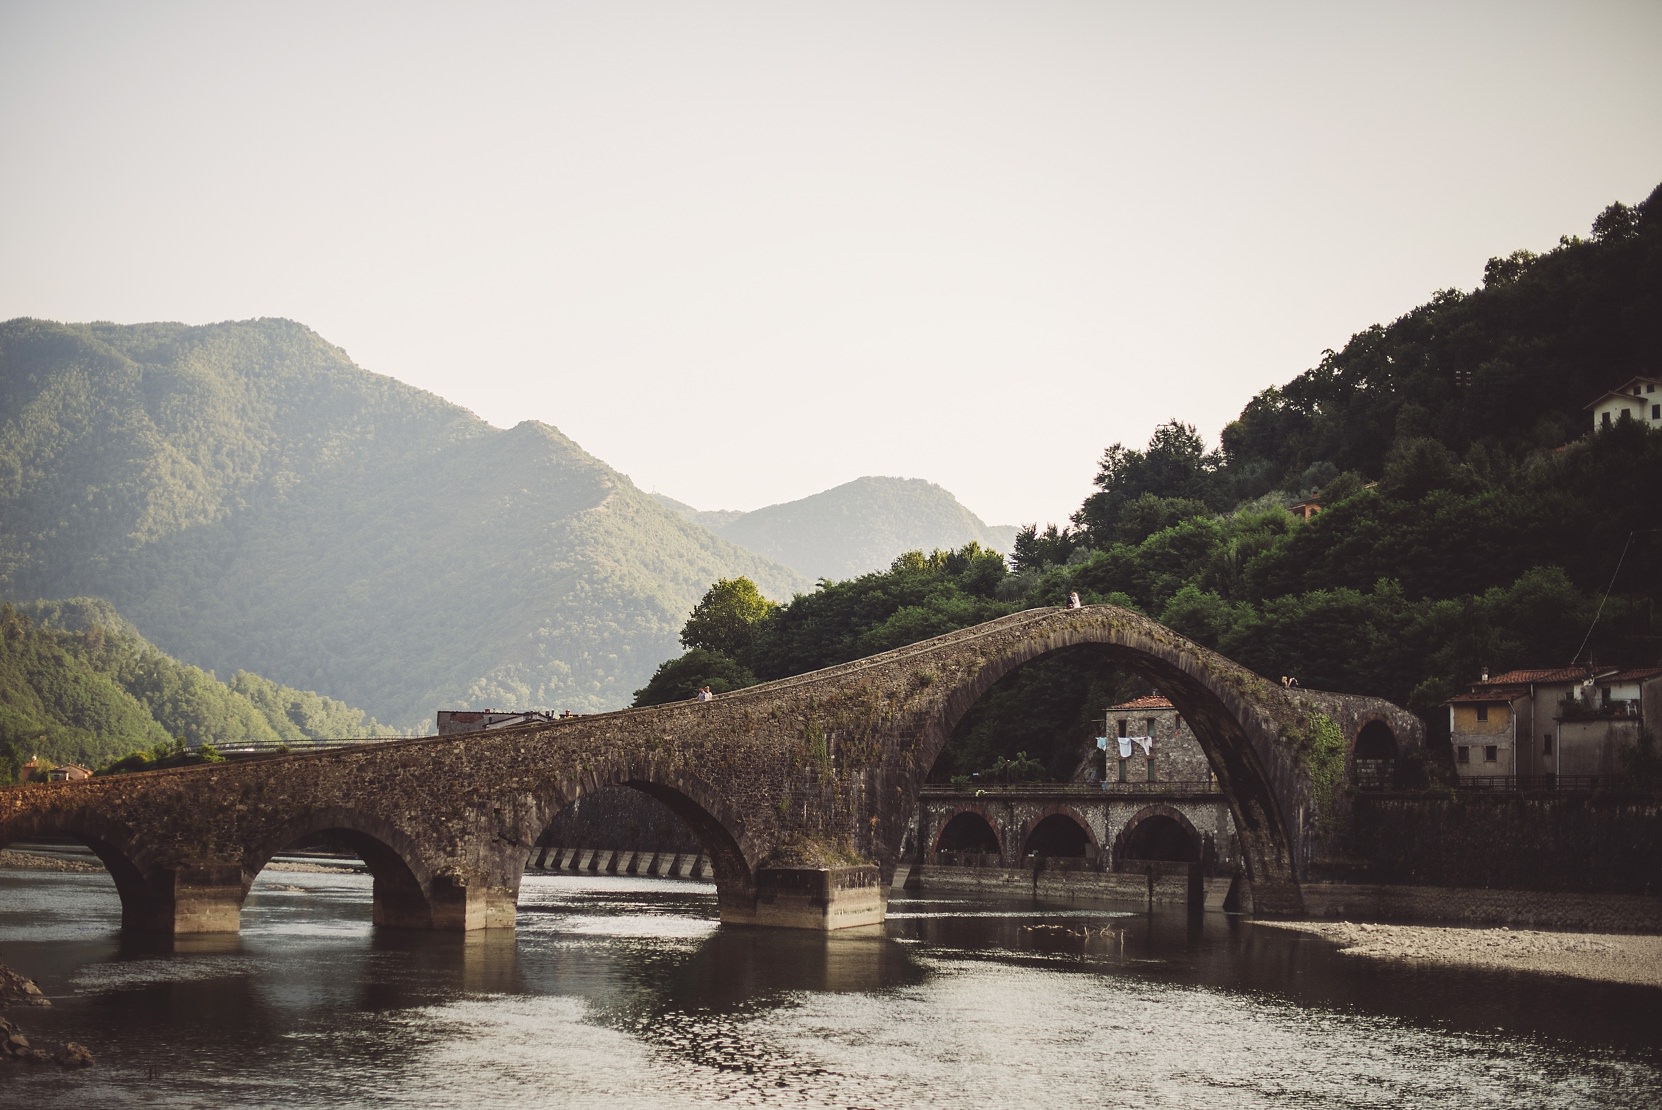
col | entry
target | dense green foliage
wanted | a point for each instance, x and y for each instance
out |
(1470, 519)
(254, 501)
(79, 685)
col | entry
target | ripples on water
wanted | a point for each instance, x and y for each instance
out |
(625, 993)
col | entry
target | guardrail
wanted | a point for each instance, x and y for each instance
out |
(299, 747)
(1558, 784)
(1064, 789)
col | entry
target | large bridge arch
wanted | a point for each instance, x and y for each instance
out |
(111, 841)
(709, 814)
(1254, 735)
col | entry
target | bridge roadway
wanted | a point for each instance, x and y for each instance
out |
(800, 790)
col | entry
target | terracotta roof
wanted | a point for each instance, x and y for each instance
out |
(1625, 389)
(1546, 674)
(1490, 694)
(1634, 674)
(1152, 701)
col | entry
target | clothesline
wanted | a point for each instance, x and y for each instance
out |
(1125, 742)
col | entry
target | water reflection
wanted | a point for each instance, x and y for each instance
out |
(626, 993)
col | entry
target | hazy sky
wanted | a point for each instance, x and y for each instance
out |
(745, 252)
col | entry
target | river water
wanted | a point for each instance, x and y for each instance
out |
(626, 993)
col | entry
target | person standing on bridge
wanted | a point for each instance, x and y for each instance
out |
(704, 694)
(1073, 600)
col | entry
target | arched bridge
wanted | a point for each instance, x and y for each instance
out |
(799, 789)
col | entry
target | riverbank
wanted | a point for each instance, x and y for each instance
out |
(15, 1046)
(1600, 957)
(40, 861)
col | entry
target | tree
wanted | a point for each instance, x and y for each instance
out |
(1175, 466)
(679, 679)
(725, 619)
(1034, 550)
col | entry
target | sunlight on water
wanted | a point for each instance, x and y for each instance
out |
(625, 993)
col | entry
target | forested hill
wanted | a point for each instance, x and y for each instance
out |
(856, 528)
(1470, 519)
(78, 684)
(252, 500)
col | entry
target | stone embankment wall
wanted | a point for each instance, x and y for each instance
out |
(1589, 862)
(1170, 884)
(1573, 844)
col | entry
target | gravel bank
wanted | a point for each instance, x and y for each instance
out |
(1602, 957)
(37, 861)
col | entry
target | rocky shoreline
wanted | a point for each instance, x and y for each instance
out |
(15, 1047)
(1599, 957)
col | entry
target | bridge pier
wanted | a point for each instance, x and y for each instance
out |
(461, 906)
(823, 899)
(179, 901)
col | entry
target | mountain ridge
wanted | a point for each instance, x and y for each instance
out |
(167, 467)
(854, 528)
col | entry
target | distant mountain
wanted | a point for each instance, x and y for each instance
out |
(252, 500)
(857, 527)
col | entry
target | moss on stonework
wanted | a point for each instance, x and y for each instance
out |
(801, 850)
(1321, 745)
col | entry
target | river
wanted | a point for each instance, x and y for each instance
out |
(626, 993)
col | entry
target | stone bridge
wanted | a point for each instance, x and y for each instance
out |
(800, 790)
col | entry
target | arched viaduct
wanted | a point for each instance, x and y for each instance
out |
(800, 789)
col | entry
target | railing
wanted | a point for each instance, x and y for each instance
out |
(247, 748)
(1560, 784)
(1064, 789)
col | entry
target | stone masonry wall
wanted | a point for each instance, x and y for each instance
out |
(1569, 844)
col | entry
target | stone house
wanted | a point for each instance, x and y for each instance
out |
(1144, 740)
(1636, 399)
(1533, 723)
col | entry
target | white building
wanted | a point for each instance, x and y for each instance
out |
(1638, 399)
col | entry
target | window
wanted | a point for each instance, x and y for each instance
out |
(1490, 753)
(1123, 762)
(1656, 412)
(1483, 712)
(1546, 743)
(1463, 754)
(1604, 419)
(1149, 724)
(1151, 771)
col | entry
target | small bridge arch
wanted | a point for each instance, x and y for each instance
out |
(970, 831)
(401, 878)
(1158, 832)
(1058, 832)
